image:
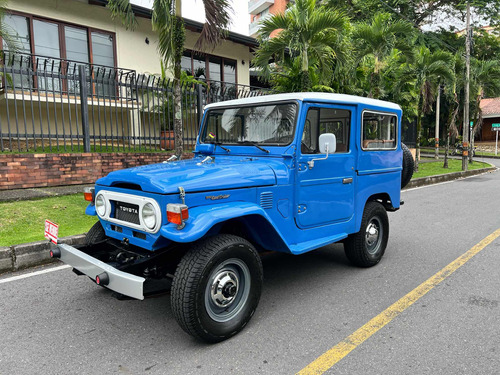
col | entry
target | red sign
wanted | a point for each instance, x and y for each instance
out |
(51, 231)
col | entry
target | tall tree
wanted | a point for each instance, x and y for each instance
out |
(425, 71)
(485, 82)
(306, 32)
(166, 20)
(452, 88)
(376, 40)
(418, 11)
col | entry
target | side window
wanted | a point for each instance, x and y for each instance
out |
(326, 120)
(379, 131)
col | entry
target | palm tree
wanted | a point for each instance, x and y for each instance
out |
(376, 41)
(451, 90)
(425, 71)
(307, 32)
(167, 21)
(485, 81)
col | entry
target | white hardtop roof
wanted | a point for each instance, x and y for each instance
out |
(308, 97)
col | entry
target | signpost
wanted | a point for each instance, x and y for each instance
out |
(496, 128)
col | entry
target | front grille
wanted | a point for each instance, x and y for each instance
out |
(127, 212)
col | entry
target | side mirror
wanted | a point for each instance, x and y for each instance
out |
(327, 143)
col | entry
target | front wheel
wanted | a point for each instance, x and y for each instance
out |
(366, 248)
(217, 287)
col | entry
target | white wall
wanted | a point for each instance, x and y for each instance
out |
(132, 50)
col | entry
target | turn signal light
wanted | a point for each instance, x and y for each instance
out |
(88, 194)
(177, 213)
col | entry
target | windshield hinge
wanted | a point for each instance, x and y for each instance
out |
(207, 159)
(182, 194)
(172, 158)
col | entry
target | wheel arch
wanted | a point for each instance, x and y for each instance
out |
(254, 228)
(384, 198)
(244, 219)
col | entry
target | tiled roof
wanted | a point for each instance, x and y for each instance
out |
(490, 107)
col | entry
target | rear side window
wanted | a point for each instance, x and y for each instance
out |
(379, 131)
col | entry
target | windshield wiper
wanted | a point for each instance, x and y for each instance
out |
(254, 144)
(221, 146)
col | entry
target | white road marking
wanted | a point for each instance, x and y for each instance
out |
(36, 273)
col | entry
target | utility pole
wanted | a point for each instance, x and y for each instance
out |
(436, 134)
(466, 126)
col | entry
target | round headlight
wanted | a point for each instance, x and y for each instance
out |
(100, 205)
(149, 215)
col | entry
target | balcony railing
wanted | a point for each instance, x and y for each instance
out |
(57, 105)
(257, 6)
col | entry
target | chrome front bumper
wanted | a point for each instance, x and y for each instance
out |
(119, 281)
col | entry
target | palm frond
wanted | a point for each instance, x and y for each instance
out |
(123, 10)
(217, 21)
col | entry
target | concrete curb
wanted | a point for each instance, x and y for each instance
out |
(32, 254)
(423, 181)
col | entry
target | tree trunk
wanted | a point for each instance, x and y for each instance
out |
(179, 36)
(305, 81)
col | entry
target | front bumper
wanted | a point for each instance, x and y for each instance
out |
(119, 281)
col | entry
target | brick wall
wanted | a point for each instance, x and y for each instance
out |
(18, 171)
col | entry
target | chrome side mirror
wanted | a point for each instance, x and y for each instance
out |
(327, 145)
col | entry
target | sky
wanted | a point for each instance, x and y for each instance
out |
(193, 9)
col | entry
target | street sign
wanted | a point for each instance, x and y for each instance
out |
(495, 127)
(51, 231)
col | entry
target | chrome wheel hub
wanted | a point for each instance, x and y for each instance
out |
(373, 235)
(224, 288)
(227, 290)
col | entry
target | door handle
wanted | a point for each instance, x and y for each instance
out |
(347, 180)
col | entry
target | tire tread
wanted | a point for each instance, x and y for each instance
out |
(189, 272)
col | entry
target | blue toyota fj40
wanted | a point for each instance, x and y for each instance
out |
(288, 173)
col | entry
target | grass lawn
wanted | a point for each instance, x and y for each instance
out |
(435, 168)
(23, 221)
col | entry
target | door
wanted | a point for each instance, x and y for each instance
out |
(325, 190)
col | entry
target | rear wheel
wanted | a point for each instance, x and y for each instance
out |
(217, 287)
(366, 248)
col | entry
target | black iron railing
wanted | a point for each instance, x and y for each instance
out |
(56, 105)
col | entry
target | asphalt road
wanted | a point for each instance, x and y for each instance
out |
(58, 323)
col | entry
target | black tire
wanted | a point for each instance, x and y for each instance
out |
(359, 247)
(408, 166)
(209, 316)
(95, 234)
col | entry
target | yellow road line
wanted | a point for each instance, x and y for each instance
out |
(343, 348)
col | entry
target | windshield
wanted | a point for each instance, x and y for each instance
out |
(272, 124)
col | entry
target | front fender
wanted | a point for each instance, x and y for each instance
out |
(203, 218)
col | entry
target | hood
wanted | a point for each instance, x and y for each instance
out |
(165, 178)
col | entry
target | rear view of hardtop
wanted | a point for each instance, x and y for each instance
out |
(288, 173)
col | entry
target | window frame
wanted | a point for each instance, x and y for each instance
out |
(204, 124)
(319, 107)
(396, 128)
(62, 42)
(206, 57)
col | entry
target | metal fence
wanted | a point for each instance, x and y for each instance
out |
(58, 105)
(409, 133)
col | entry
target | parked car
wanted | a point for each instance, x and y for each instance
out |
(288, 173)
